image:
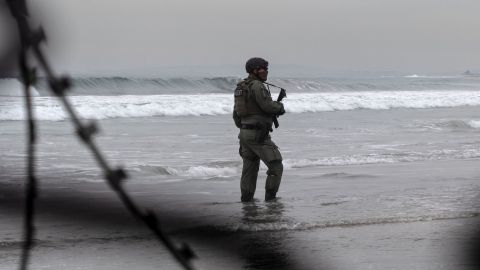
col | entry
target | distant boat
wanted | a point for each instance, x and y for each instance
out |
(468, 73)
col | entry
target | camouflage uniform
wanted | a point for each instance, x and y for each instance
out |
(260, 109)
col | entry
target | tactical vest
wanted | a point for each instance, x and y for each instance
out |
(245, 103)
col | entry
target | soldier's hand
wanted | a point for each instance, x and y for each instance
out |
(282, 110)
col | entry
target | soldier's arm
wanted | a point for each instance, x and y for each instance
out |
(264, 99)
(236, 119)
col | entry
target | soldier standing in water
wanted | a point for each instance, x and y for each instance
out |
(254, 113)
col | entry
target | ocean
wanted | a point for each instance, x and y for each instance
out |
(379, 173)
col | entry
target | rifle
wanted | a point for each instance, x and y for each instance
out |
(281, 95)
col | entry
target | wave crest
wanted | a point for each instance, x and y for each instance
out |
(103, 107)
(201, 172)
(233, 168)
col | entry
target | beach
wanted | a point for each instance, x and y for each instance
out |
(379, 173)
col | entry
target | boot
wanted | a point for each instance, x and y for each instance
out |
(247, 197)
(270, 195)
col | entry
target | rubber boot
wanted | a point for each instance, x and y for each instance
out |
(247, 196)
(270, 195)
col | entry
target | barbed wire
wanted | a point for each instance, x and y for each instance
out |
(31, 186)
(30, 42)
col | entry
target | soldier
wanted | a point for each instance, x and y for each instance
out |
(253, 113)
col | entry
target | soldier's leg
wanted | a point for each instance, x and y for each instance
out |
(274, 177)
(248, 182)
(271, 156)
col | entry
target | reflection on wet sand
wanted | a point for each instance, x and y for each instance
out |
(266, 251)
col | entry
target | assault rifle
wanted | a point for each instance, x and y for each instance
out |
(281, 96)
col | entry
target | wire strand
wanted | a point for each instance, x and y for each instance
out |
(31, 41)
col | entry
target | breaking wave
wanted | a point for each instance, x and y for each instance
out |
(103, 107)
(383, 158)
(415, 76)
(453, 125)
(474, 124)
(234, 168)
(201, 172)
(113, 86)
(151, 86)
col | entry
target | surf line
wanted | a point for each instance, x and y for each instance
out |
(320, 96)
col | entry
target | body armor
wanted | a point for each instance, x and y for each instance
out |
(245, 104)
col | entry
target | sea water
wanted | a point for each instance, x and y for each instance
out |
(379, 173)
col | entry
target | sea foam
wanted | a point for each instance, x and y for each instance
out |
(207, 171)
(103, 107)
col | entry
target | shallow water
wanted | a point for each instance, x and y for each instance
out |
(381, 175)
(362, 189)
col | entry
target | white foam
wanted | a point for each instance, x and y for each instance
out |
(208, 171)
(199, 171)
(442, 154)
(431, 77)
(204, 171)
(474, 123)
(338, 161)
(102, 107)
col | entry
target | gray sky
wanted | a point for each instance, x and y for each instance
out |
(411, 36)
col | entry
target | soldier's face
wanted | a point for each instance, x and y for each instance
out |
(262, 73)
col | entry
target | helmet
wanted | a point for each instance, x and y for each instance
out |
(255, 63)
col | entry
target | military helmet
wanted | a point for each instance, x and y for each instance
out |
(255, 63)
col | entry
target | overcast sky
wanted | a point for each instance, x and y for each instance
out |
(411, 36)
